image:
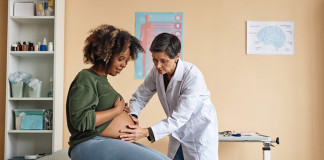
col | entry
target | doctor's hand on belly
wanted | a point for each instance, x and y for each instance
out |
(134, 132)
(135, 120)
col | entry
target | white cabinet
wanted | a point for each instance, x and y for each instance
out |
(42, 65)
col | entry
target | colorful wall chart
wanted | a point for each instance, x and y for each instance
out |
(149, 25)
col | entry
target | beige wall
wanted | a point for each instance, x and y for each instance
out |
(280, 96)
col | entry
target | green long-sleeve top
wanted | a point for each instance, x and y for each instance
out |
(89, 92)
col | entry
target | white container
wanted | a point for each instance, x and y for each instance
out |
(50, 46)
(37, 92)
(17, 89)
(39, 44)
(36, 48)
(24, 9)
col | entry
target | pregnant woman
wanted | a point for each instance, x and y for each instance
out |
(95, 111)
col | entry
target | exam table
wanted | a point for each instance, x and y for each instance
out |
(59, 155)
(63, 153)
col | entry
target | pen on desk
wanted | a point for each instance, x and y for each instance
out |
(236, 134)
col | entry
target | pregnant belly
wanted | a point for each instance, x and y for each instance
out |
(119, 122)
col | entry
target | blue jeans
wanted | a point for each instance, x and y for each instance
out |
(179, 154)
(103, 148)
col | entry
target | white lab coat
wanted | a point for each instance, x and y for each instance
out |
(191, 117)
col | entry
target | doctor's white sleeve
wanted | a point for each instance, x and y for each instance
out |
(143, 93)
(186, 105)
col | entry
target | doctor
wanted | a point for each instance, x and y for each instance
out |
(191, 121)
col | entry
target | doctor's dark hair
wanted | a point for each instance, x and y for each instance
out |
(107, 41)
(168, 43)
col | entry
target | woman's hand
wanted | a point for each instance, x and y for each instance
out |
(119, 105)
(135, 120)
(134, 133)
(126, 109)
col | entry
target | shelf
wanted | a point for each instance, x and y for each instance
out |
(34, 19)
(32, 53)
(30, 131)
(31, 99)
(42, 65)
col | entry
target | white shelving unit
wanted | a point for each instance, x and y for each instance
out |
(31, 99)
(39, 54)
(34, 20)
(42, 65)
(30, 131)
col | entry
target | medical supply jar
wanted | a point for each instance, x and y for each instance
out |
(17, 89)
(42, 6)
(50, 9)
(36, 91)
(24, 46)
(29, 119)
(50, 46)
(44, 45)
(31, 47)
(14, 47)
(36, 48)
(19, 47)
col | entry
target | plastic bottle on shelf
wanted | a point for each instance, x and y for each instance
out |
(50, 92)
(43, 46)
(36, 47)
(50, 46)
(39, 44)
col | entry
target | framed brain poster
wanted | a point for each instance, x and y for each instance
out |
(147, 26)
(270, 37)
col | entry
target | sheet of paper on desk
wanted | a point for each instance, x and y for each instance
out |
(249, 134)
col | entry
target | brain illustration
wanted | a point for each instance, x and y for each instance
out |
(272, 35)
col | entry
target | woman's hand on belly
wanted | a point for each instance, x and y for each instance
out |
(126, 109)
(120, 122)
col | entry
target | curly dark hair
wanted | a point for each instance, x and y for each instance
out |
(107, 41)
